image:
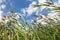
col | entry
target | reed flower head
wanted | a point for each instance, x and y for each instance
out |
(50, 3)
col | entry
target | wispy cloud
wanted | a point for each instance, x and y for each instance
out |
(3, 6)
(30, 9)
(59, 1)
(1, 14)
(41, 1)
(1, 1)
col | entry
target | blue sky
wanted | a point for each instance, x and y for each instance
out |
(16, 5)
(23, 7)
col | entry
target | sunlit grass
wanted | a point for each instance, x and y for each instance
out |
(14, 30)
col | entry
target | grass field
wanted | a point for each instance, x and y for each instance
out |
(12, 29)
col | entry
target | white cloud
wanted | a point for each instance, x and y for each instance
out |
(34, 2)
(24, 11)
(31, 5)
(41, 1)
(3, 6)
(30, 9)
(1, 11)
(1, 1)
(1, 14)
(59, 1)
(57, 4)
(42, 7)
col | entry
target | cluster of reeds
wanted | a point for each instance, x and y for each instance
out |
(12, 29)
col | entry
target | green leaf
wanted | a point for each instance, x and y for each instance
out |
(37, 5)
(56, 8)
(41, 5)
